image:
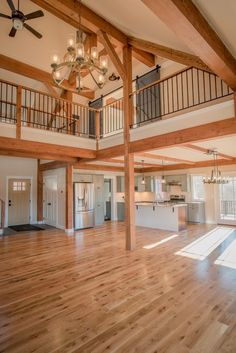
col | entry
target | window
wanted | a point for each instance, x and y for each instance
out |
(198, 193)
(19, 186)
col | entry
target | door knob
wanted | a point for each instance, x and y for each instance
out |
(49, 204)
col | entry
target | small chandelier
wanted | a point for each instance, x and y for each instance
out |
(77, 61)
(216, 176)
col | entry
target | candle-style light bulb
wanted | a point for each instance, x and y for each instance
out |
(80, 50)
(104, 62)
(94, 53)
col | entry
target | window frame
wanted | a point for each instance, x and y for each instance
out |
(193, 188)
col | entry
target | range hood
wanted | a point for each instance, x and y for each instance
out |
(174, 183)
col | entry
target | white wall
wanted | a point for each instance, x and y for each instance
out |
(19, 167)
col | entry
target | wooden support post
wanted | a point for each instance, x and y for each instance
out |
(69, 198)
(235, 104)
(129, 157)
(18, 112)
(97, 126)
(39, 193)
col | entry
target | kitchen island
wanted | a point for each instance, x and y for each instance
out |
(161, 216)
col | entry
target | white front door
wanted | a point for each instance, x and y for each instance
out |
(19, 201)
(227, 202)
(50, 200)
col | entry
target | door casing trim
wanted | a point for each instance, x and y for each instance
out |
(31, 196)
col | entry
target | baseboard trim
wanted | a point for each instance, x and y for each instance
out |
(69, 231)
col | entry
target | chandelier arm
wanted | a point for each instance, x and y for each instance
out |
(94, 79)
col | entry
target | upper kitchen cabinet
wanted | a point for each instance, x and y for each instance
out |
(181, 180)
(138, 186)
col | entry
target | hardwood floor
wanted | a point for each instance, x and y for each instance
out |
(85, 293)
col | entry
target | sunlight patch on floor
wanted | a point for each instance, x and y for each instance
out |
(205, 245)
(154, 245)
(228, 257)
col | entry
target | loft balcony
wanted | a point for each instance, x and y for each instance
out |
(168, 103)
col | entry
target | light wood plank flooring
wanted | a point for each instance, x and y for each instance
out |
(85, 293)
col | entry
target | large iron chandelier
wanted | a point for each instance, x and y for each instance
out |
(216, 176)
(76, 62)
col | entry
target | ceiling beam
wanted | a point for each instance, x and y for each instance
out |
(34, 73)
(208, 131)
(161, 157)
(112, 54)
(169, 53)
(205, 150)
(52, 165)
(68, 11)
(17, 145)
(121, 161)
(201, 164)
(187, 22)
(37, 155)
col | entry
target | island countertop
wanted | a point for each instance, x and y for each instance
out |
(165, 216)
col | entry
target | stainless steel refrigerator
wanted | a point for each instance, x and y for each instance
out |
(83, 205)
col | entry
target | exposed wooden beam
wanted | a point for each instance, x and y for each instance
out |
(208, 131)
(128, 157)
(51, 90)
(187, 22)
(205, 150)
(121, 161)
(26, 146)
(90, 166)
(34, 73)
(69, 10)
(163, 158)
(169, 53)
(52, 165)
(200, 164)
(39, 193)
(144, 57)
(112, 53)
(36, 155)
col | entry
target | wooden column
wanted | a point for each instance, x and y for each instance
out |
(235, 104)
(129, 157)
(18, 112)
(69, 197)
(97, 127)
(39, 193)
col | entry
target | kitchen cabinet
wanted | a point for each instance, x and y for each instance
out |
(138, 186)
(80, 178)
(120, 183)
(98, 181)
(120, 211)
(181, 180)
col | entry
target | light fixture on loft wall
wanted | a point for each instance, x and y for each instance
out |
(163, 180)
(216, 176)
(143, 182)
(78, 62)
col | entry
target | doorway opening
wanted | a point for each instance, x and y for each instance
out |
(107, 199)
(227, 202)
(19, 201)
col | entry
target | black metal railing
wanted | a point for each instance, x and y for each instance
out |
(186, 89)
(42, 111)
(8, 93)
(112, 118)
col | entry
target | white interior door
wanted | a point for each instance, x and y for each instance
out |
(227, 202)
(50, 200)
(19, 201)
